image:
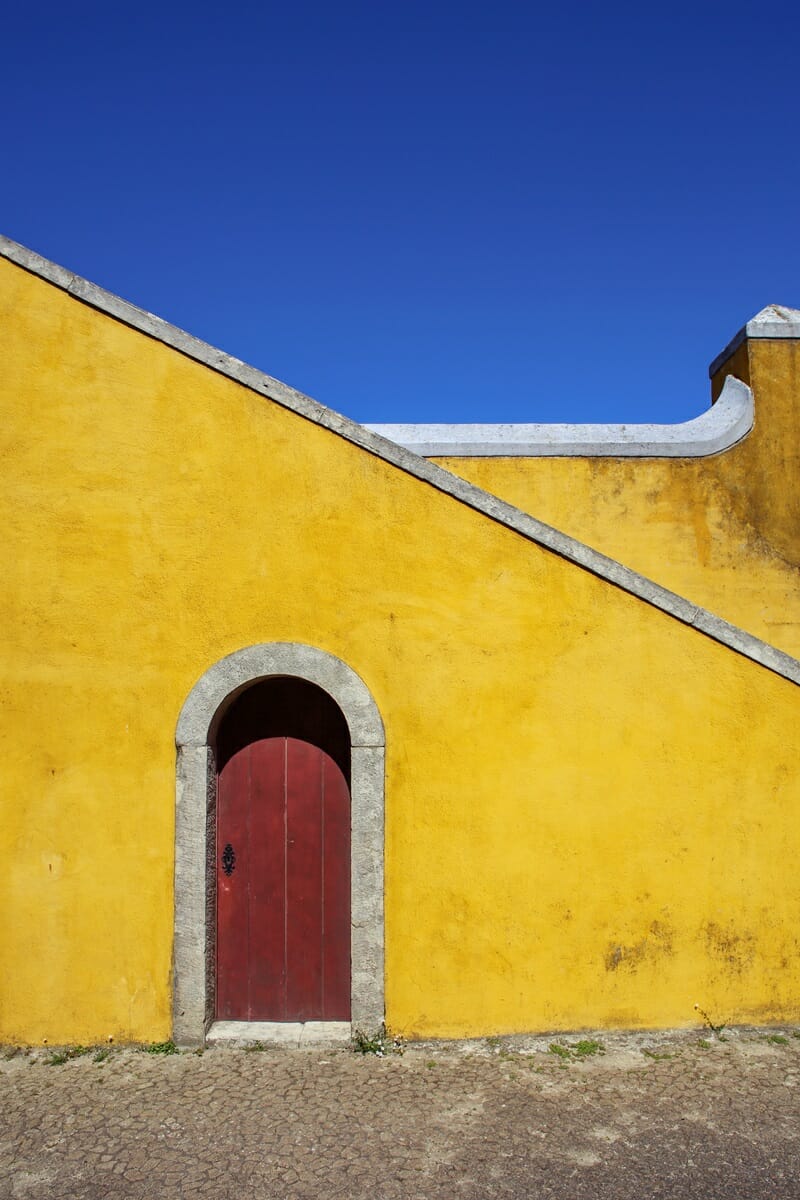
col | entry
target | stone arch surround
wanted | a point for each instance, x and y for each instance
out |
(195, 813)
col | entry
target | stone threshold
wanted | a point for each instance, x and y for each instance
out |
(297, 1034)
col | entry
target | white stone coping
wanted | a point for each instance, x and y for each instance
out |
(295, 1034)
(773, 322)
(722, 426)
(405, 460)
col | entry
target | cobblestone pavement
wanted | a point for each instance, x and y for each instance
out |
(675, 1116)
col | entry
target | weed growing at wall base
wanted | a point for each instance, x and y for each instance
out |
(161, 1048)
(380, 1043)
(709, 1024)
(572, 1052)
(59, 1057)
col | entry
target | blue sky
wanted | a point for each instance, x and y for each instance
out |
(412, 212)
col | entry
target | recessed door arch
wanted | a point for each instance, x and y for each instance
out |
(282, 875)
(203, 735)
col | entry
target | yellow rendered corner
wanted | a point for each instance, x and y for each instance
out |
(720, 530)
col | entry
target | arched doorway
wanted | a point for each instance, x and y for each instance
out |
(283, 856)
(256, 695)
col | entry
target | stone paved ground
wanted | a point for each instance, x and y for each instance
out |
(659, 1116)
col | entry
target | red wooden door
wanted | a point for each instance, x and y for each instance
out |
(283, 885)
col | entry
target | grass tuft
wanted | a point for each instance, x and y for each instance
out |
(570, 1052)
(59, 1057)
(161, 1048)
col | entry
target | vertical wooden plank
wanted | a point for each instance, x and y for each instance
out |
(303, 881)
(267, 880)
(233, 802)
(336, 893)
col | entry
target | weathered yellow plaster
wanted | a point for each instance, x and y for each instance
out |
(592, 810)
(724, 531)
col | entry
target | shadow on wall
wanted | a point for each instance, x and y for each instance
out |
(284, 707)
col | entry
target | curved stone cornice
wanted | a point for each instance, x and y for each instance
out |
(722, 426)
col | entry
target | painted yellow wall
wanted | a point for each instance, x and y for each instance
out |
(724, 531)
(592, 810)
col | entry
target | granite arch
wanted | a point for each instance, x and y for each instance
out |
(195, 804)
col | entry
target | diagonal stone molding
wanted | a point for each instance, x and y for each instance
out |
(420, 468)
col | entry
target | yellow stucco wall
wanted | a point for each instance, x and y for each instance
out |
(724, 531)
(592, 811)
